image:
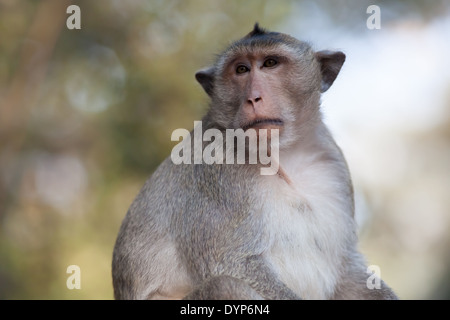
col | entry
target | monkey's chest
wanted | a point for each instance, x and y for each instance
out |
(306, 239)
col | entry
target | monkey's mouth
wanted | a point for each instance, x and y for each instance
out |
(263, 124)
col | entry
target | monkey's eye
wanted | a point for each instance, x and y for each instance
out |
(241, 69)
(270, 63)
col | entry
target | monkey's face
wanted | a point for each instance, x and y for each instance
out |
(266, 80)
(267, 88)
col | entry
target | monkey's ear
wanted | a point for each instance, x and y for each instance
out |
(206, 78)
(330, 65)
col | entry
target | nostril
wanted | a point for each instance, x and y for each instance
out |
(253, 101)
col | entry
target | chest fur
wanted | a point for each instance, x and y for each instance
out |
(309, 228)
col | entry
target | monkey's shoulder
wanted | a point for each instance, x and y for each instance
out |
(173, 187)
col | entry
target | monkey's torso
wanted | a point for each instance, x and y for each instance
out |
(191, 222)
(311, 222)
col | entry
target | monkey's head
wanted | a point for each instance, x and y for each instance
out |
(269, 80)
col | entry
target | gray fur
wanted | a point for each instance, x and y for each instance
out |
(198, 231)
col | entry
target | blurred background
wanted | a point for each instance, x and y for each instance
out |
(86, 116)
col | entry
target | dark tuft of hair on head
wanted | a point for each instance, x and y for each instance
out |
(257, 31)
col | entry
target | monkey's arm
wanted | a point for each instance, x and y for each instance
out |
(357, 289)
(354, 284)
(223, 288)
(260, 283)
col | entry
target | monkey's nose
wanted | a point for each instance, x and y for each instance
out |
(255, 99)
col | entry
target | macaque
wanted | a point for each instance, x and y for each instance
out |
(226, 231)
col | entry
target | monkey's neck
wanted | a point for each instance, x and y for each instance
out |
(315, 147)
